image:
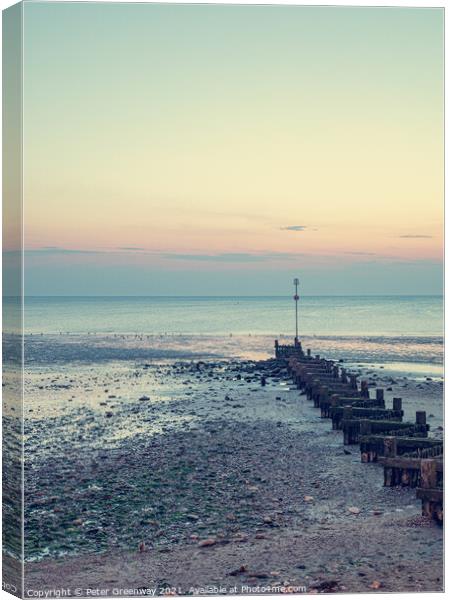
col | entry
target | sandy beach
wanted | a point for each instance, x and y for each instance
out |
(187, 476)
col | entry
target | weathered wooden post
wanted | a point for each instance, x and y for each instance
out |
(428, 473)
(379, 394)
(365, 427)
(390, 446)
(430, 494)
(334, 399)
(397, 404)
(364, 389)
(308, 352)
(353, 382)
(347, 413)
(421, 417)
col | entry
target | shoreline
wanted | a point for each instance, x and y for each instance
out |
(46, 349)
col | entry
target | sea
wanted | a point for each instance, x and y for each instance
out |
(420, 316)
(381, 329)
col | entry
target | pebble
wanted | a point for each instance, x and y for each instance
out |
(354, 510)
(208, 542)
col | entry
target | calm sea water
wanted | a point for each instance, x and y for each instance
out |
(382, 329)
(321, 315)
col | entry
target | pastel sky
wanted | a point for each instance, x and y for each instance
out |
(225, 149)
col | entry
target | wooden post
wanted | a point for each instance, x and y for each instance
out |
(421, 417)
(308, 352)
(388, 472)
(390, 446)
(353, 382)
(397, 404)
(365, 427)
(347, 412)
(380, 394)
(324, 405)
(334, 399)
(364, 389)
(428, 473)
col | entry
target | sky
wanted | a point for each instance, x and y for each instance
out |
(202, 150)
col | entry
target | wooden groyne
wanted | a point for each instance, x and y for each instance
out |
(408, 456)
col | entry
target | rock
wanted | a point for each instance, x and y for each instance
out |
(241, 569)
(325, 586)
(144, 398)
(354, 510)
(208, 542)
(375, 585)
(240, 537)
(142, 547)
(308, 498)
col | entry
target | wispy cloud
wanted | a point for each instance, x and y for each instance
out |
(294, 228)
(361, 253)
(234, 257)
(131, 249)
(58, 250)
(415, 237)
(223, 257)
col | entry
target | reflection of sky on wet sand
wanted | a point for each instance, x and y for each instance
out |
(411, 370)
(100, 348)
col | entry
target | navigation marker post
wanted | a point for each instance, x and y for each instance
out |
(296, 298)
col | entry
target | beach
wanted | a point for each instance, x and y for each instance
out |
(181, 473)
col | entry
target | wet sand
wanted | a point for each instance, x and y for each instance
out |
(171, 476)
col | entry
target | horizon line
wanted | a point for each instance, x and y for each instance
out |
(391, 295)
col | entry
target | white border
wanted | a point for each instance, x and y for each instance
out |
(362, 3)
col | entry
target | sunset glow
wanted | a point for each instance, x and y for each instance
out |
(228, 138)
